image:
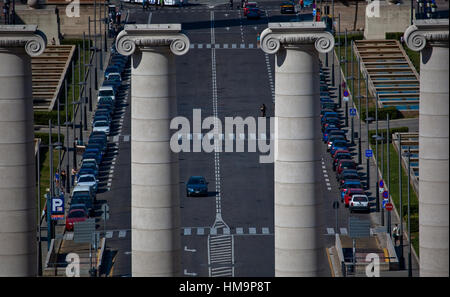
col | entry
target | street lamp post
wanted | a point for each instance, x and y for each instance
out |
(339, 61)
(402, 259)
(39, 245)
(388, 137)
(359, 110)
(409, 213)
(367, 130)
(376, 165)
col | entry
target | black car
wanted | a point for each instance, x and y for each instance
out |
(346, 173)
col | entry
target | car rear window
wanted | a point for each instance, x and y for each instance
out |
(106, 93)
(197, 181)
(76, 214)
(360, 199)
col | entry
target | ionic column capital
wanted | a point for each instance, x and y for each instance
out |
(152, 35)
(27, 36)
(426, 32)
(296, 34)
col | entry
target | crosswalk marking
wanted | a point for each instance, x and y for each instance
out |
(122, 233)
(226, 231)
(330, 231)
(239, 230)
(219, 231)
(265, 230)
(187, 231)
(213, 231)
(233, 45)
(200, 45)
(200, 231)
(126, 138)
(208, 45)
(242, 45)
(252, 230)
(343, 231)
(109, 234)
(225, 45)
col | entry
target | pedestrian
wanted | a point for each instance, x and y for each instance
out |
(396, 234)
(263, 110)
(6, 12)
(57, 178)
(302, 5)
(63, 179)
(73, 175)
(118, 15)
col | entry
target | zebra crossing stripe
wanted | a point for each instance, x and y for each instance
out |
(330, 231)
(242, 45)
(343, 231)
(252, 230)
(226, 231)
(122, 233)
(187, 231)
(191, 45)
(216, 45)
(225, 45)
(200, 231)
(208, 45)
(109, 234)
(239, 230)
(126, 138)
(250, 45)
(233, 45)
(200, 45)
(213, 231)
(265, 230)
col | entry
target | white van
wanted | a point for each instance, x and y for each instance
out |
(106, 91)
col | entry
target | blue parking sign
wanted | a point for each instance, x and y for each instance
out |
(384, 202)
(352, 111)
(57, 208)
(369, 153)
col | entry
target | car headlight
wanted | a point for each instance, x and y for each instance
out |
(190, 190)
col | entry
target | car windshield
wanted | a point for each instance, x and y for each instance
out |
(251, 4)
(81, 194)
(196, 180)
(77, 214)
(106, 93)
(85, 179)
(111, 69)
(101, 124)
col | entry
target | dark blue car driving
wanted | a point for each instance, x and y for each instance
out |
(197, 186)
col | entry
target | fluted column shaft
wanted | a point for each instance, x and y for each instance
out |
(155, 205)
(431, 39)
(17, 160)
(298, 196)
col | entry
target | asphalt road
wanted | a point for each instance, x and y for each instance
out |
(240, 187)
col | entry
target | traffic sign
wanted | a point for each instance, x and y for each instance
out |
(346, 94)
(352, 111)
(381, 190)
(381, 183)
(105, 212)
(57, 208)
(385, 194)
(384, 202)
(369, 153)
(389, 206)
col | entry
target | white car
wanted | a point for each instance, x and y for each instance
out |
(88, 180)
(114, 76)
(106, 91)
(359, 202)
(102, 126)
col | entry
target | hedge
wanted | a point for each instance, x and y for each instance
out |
(382, 112)
(413, 208)
(383, 131)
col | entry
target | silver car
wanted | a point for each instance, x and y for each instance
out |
(88, 180)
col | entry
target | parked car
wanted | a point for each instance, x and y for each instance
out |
(328, 105)
(75, 216)
(348, 195)
(359, 202)
(197, 185)
(327, 132)
(350, 184)
(338, 145)
(329, 114)
(340, 152)
(106, 91)
(333, 139)
(88, 180)
(92, 155)
(101, 126)
(84, 195)
(345, 164)
(78, 206)
(111, 69)
(347, 173)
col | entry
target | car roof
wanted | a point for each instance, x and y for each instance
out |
(360, 195)
(106, 88)
(81, 188)
(113, 73)
(88, 175)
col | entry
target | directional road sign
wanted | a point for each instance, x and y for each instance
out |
(352, 111)
(385, 201)
(369, 153)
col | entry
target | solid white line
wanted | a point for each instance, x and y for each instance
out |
(149, 18)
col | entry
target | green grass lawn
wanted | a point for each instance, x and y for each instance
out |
(394, 191)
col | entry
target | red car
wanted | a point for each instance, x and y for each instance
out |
(345, 164)
(75, 216)
(340, 151)
(349, 193)
(249, 5)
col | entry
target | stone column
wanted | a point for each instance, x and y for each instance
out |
(430, 37)
(17, 163)
(298, 195)
(155, 205)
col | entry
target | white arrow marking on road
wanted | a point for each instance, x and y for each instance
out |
(189, 250)
(189, 273)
